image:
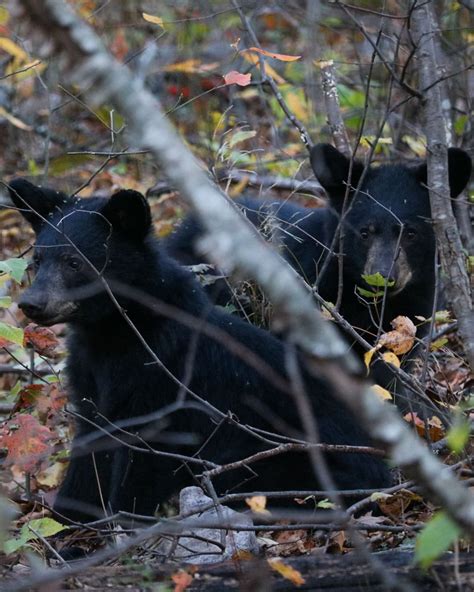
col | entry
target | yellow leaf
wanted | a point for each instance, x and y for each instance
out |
(286, 571)
(257, 504)
(191, 66)
(14, 120)
(4, 15)
(278, 56)
(253, 59)
(381, 392)
(13, 49)
(416, 145)
(368, 356)
(391, 358)
(156, 20)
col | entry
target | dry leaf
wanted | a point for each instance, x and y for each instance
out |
(286, 571)
(402, 338)
(13, 49)
(257, 504)
(278, 56)
(156, 20)
(42, 339)
(28, 442)
(381, 392)
(182, 580)
(253, 59)
(391, 358)
(14, 120)
(434, 424)
(368, 356)
(234, 77)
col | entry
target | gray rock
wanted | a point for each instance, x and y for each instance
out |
(209, 545)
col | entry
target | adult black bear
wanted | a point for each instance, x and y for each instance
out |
(386, 228)
(179, 373)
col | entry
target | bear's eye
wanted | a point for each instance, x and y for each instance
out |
(364, 233)
(74, 263)
(410, 233)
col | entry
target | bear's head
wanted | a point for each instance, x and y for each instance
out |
(385, 214)
(81, 245)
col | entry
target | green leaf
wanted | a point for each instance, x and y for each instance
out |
(51, 378)
(325, 504)
(443, 316)
(369, 293)
(458, 435)
(460, 124)
(5, 301)
(377, 280)
(104, 115)
(241, 136)
(11, 333)
(66, 162)
(43, 527)
(15, 267)
(437, 537)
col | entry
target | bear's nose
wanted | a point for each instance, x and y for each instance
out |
(31, 309)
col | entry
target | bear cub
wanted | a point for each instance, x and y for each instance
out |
(164, 384)
(383, 214)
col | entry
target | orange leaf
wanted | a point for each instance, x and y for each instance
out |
(434, 425)
(250, 57)
(286, 571)
(27, 441)
(42, 339)
(182, 580)
(234, 77)
(402, 338)
(278, 56)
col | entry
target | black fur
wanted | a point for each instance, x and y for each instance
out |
(386, 228)
(113, 378)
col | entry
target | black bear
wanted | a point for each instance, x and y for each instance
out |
(386, 228)
(160, 379)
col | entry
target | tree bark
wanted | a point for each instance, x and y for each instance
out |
(453, 261)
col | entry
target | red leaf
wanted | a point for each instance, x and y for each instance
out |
(234, 77)
(41, 339)
(28, 442)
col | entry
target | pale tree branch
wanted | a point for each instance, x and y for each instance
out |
(235, 245)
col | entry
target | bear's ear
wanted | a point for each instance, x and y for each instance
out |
(35, 203)
(128, 212)
(332, 168)
(459, 171)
